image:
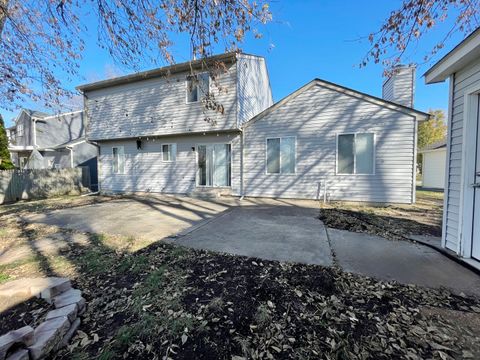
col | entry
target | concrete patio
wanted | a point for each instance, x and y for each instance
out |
(268, 229)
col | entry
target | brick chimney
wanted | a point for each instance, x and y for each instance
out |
(400, 86)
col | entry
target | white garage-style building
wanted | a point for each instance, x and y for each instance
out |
(434, 158)
(461, 225)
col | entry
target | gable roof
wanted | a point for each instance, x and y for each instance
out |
(149, 74)
(435, 146)
(462, 54)
(420, 115)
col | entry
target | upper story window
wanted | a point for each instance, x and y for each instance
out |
(118, 163)
(281, 155)
(169, 152)
(198, 87)
(356, 153)
(20, 130)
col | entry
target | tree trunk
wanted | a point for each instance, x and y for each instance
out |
(3, 14)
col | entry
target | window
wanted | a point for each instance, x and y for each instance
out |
(281, 155)
(118, 165)
(20, 130)
(356, 153)
(169, 152)
(197, 87)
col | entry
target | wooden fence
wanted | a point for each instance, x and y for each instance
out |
(43, 183)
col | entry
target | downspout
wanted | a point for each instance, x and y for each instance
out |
(414, 180)
(242, 147)
(34, 121)
(71, 155)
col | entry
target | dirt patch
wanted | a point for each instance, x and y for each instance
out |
(28, 312)
(395, 222)
(166, 301)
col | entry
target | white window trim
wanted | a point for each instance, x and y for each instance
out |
(196, 164)
(18, 128)
(171, 145)
(124, 161)
(280, 158)
(198, 92)
(354, 154)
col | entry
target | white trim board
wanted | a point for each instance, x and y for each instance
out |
(465, 221)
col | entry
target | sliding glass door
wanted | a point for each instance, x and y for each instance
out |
(213, 168)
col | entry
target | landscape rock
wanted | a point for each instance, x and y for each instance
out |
(50, 287)
(68, 335)
(24, 335)
(47, 336)
(46, 288)
(20, 354)
(72, 296)
(69, 311)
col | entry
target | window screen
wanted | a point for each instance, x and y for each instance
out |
(355, 153)
(281, 155)
(118, 165)
(169, 152)
(197, 87)
(364, 153)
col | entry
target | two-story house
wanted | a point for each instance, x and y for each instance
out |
(176, 129)
(40, 141)
(211, 125)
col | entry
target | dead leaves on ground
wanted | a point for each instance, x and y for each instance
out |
(192, 304)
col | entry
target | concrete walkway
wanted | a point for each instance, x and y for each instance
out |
(272, 232)
(402, 261)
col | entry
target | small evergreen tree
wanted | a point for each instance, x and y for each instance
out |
(5, 160)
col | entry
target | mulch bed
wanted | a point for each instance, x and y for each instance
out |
(389, 227)
(183, 304)
(29, 312)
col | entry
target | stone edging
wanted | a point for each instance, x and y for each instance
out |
(59, 325)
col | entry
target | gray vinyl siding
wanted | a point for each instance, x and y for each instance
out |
(60, 129)
(400, 87)
(27, 138)
(146, 172)
(158, 107)
(315, 117)
(254, 92)
(468, 76)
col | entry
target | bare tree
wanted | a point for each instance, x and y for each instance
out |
(43, 40)
(405, 26)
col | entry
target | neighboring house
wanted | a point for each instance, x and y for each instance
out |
(39, 141)
(157, 132)
(461, 220)
(434, 158)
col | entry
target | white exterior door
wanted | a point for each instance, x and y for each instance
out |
(476, 196)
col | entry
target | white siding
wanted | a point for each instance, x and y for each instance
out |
(145, 171)
(158, 107)
(468, 76)
(433, 173)
(254, 92)
(400, 87)
(315, 117)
